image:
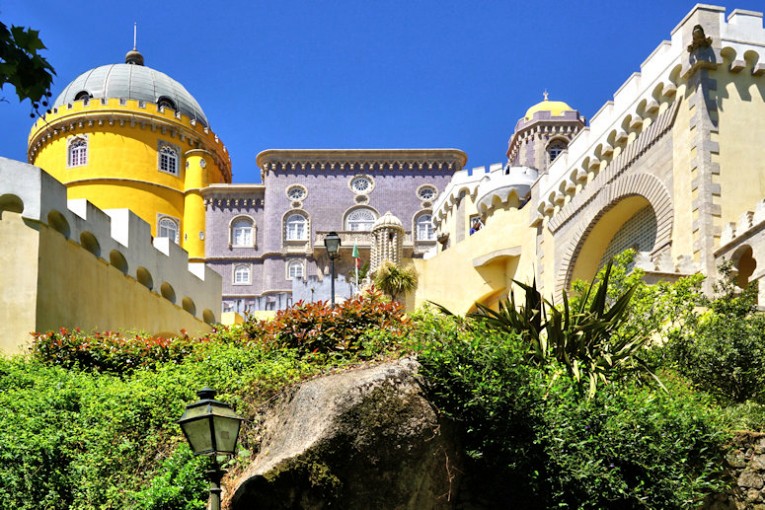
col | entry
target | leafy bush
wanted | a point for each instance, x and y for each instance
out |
(536, 443)
(318, 328)
(630, 447)
(85, 440)
(655, 310)
(587, 339)
(723, 349)
(109, 351)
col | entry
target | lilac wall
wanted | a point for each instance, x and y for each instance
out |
(328, 199)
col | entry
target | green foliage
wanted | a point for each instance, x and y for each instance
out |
(655, 310)
(94, 439)
(319, 328)
(723, 349)
(395, 280)
(588, 338)
(629, 446)
(109, 351)
(22, 66)
(177, 486)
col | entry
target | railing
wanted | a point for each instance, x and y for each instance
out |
(363, 239)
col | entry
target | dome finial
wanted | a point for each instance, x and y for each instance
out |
(134, 56)
(545, 95)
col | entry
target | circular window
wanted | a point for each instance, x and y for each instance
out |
(426, 192)
(361, 184)
(296, 192)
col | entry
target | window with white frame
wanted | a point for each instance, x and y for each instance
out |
(242, 274)
(295, 269)
(77, 151)
(242, 232)
(168, 159)
(296, 228)
(168, 227)
(360, 220)
(425, 229)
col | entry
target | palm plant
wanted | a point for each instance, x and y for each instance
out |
(585, 339)
(394, 280)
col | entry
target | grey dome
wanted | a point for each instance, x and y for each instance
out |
(132, 81)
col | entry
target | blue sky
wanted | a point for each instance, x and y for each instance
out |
(356, 74)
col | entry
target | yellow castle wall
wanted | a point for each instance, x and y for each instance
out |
(451, 278)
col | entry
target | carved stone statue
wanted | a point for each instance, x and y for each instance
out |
(700, 39)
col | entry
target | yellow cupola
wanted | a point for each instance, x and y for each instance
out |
(556, 108)
(128, 136)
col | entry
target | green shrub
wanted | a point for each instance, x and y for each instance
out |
(535, 442)
(318, 328)
(630, 447)
(480, 380)
(86, 440)
(723, 349)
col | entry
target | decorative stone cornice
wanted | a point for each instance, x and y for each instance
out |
(276, 160)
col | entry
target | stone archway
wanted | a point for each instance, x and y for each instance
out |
(613, 206)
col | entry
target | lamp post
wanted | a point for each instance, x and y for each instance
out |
(211, 427)
(332, 243)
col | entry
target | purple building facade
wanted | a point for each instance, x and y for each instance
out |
(267, 240)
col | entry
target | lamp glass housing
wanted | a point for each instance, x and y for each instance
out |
(332, 243)
(211, 427)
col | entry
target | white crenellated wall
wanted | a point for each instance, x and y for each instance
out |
(122, 240)
(639, 97)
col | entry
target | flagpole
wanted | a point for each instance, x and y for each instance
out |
(356, 260)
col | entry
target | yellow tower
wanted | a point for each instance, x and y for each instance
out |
(128, 136)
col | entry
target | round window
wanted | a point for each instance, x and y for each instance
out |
(296, 192)
(426, 193)
(361, 184)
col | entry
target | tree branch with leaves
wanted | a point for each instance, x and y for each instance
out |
(22, 66)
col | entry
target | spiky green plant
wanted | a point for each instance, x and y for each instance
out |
(584, 339)
(395, 280)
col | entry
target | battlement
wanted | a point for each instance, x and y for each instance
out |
(120, 111)
(738, 43)
(464, 182)
(116, 237)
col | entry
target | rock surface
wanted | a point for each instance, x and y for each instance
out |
(366, 439)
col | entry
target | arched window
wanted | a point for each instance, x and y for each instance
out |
(77, 153)
(360, 220)
(168, 227)
(242, 274)
(242, 233)
(168, 159)
(165, 102)
(425, 229)
(555, 148)
(296, 228)
(295, 269)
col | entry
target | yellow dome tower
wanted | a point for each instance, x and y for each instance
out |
(128, 136)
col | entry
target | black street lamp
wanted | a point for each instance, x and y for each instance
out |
(332, 243)
(211, 427)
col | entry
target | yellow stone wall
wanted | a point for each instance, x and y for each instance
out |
(122, 168)
(41, 291)
(452, 279)
(741, 107)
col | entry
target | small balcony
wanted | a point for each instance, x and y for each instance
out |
(363, 240)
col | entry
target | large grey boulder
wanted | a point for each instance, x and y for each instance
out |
(363, 439)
